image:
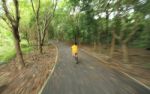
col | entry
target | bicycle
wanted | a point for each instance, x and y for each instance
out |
(76, 58)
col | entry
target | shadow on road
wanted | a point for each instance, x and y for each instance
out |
(2, 88)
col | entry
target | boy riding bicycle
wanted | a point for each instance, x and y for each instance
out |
(75, 51)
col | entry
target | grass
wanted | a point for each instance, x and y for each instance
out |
(147, 65)
(9, 52)
(7, 55)
(26, 49)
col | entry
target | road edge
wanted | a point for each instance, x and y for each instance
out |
(129, 76)
(50, 74)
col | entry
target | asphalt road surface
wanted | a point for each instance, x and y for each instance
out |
(90, 76)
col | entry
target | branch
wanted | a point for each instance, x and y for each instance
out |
(53, 13)
(36, 13)
(107, 5)
(7, 13)
(6, 21)
(116, 36)
(38, 9)
(54, 8)
(11, 11)
(130, 35)
(17, 17)
(33, 7)
(121, 34)
(47, 21)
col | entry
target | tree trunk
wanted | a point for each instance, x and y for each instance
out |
(41, 48)
(39, 36)
(27, 38)
(125, 53)
(18, 49)
(112, 45)
(94, 45)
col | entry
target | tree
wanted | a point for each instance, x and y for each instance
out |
(48, 15)
(126, 25)
(13, 23)
(105, 22)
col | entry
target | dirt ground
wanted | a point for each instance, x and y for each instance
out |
(138, 67)
(30, 79)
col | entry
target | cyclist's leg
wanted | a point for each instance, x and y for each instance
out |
(76, 58)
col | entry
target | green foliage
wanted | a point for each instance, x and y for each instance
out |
(147, 66)
(24, 44)
(67, 23)
(8, 52)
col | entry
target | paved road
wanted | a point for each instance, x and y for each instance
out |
(90, 76)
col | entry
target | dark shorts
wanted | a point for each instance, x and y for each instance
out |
(76, 54)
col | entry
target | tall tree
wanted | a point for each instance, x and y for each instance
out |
(126, 25)
(13, 23)
(41, 29)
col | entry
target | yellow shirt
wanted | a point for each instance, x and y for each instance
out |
(74, 49)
